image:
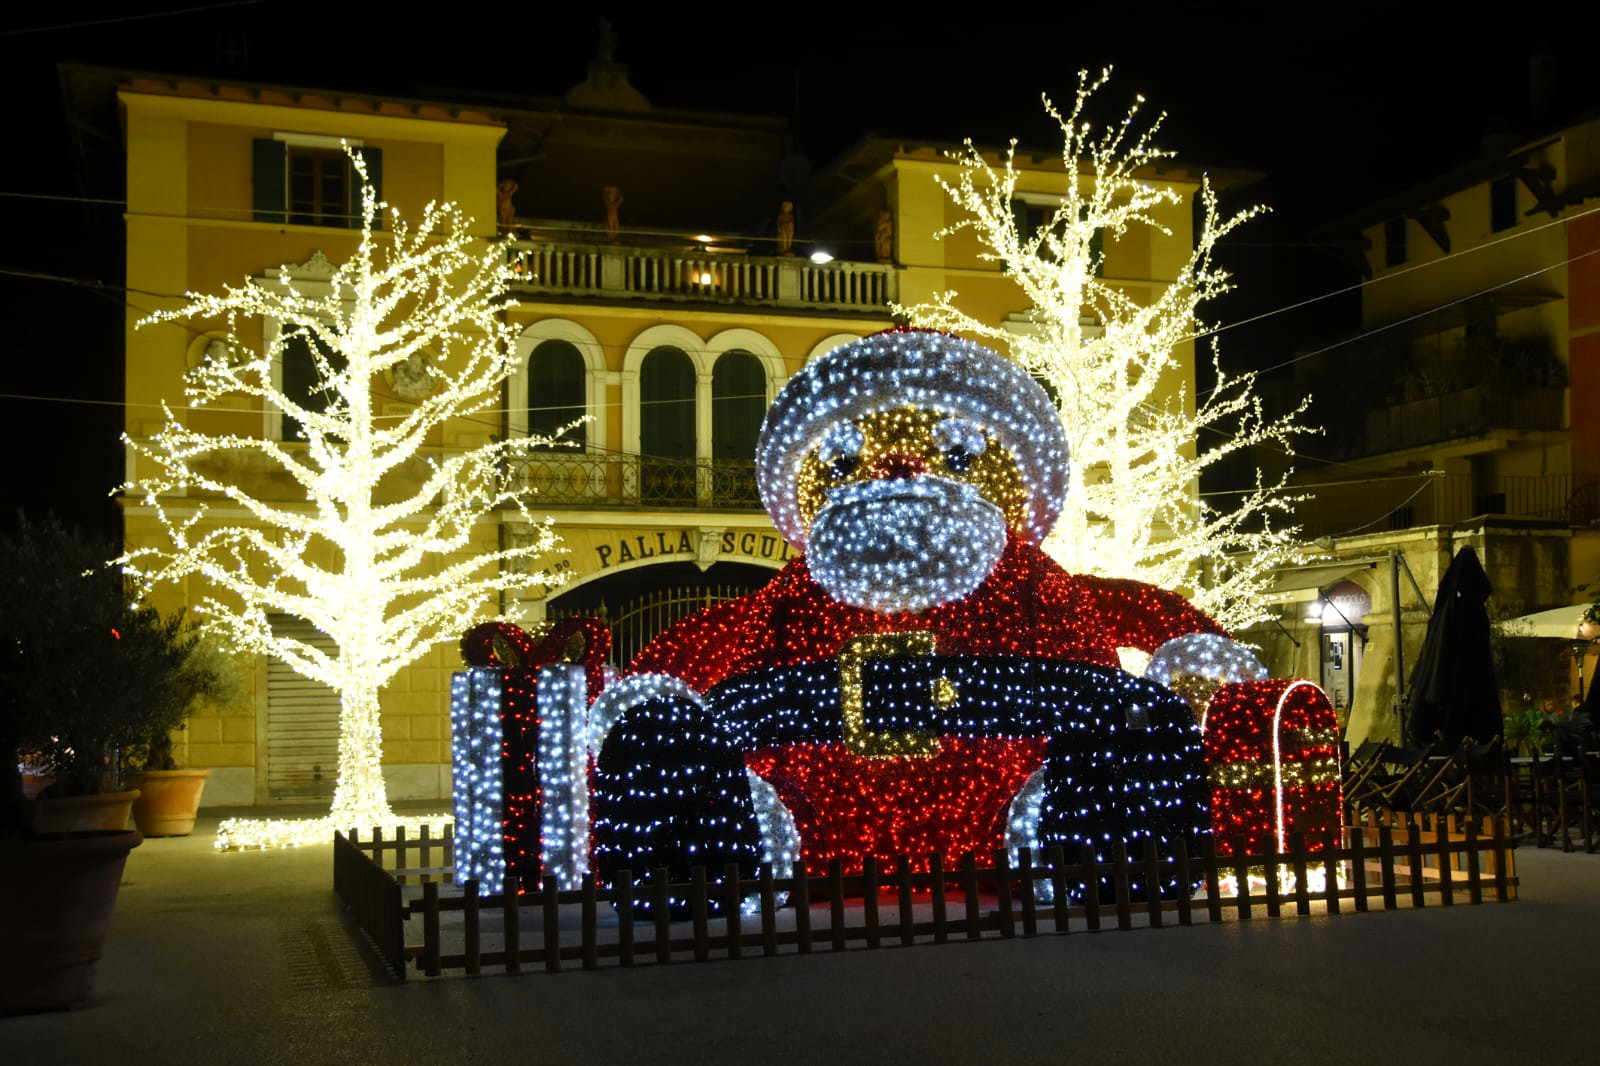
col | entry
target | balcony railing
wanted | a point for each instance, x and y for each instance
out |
(1462, 413)
(546, 268)
(1393, 503)
(615, 480)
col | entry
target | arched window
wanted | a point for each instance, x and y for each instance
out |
(667, 426)
(301, 381)
(738, 402)
(556, 390)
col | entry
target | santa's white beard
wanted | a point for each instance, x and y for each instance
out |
(904, 545)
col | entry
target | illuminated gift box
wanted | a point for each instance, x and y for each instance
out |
(1272, 761)
(519, 752)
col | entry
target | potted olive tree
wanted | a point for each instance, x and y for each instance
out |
(83, 675)
(169, 795)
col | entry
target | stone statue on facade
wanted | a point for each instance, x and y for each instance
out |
(883, 237)
(504, 206)
(611, 196)
(785, 228)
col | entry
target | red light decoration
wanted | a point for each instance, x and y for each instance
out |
(1028, 606)
(1272, 760)
(848, 807)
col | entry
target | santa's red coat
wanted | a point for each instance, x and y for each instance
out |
(1028, 606)
(849, 807)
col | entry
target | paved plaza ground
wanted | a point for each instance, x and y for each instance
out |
(246, 957)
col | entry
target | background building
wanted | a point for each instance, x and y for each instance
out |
(1464, 413)
(679, 267)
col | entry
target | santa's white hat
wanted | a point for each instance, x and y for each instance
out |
(917, 368)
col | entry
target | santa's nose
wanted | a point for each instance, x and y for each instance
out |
(898, 465)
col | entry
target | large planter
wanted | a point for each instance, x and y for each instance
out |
(82, 814)
(55, 907)
(168, 801)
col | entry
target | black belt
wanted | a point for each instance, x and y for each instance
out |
(881, 698)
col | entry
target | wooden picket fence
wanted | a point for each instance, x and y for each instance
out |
(1380, 864)
(373, 891)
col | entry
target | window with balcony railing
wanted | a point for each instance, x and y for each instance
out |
(738, 402)
(556, 391)
(667, 419)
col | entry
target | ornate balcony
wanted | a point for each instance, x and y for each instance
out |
(620, 272)
(615, 480)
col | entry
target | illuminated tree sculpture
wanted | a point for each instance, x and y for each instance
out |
(1138, 441)
(375, 546)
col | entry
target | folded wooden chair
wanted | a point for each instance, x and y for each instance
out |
(1395, 784)
(1443, 787)
(1359, 769)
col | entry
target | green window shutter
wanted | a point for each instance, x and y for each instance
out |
(738, 402)
(667, 428)
(374, 160)
(667, 404)
(557, 390)
(270, 181)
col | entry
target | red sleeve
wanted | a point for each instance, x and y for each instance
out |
(1137, 615)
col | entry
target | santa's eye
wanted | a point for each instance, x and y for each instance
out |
(960, 441)
(840, 450)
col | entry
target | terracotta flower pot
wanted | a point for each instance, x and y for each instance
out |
(77, 814)
(56, 898)
(168, 801)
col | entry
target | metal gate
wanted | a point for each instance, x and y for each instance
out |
(302, 721)
(640, 620)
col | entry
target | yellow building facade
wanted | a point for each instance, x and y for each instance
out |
(674, 272)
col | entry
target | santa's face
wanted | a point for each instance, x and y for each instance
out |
(907, 508)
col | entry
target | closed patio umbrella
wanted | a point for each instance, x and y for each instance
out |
(1453, 692)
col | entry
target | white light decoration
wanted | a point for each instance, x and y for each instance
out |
(780, 839)
(378, 551)
(1207, 655)
(624, 693)
(1139, 439)
(563, 775)
(898, 545)
(476, 743)
(1022, 831)
(906, 371)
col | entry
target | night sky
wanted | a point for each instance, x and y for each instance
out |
(1335, 108)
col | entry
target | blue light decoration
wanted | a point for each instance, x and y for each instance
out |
(922, 680)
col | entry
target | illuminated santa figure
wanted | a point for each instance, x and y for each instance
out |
(922, 679)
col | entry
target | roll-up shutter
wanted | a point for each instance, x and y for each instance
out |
(302, 722)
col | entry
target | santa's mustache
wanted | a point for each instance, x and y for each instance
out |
(930, 487)
(904, 544)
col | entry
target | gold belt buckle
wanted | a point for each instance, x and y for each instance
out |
(860, 740)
